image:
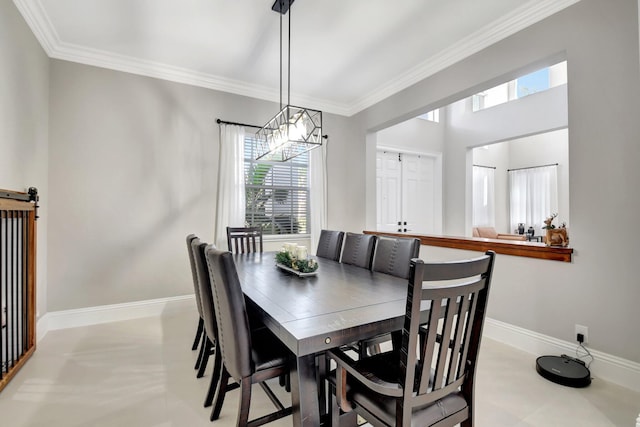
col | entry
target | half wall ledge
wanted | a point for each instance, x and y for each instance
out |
(510, 247)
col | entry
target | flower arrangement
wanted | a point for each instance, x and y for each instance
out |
(296, 257)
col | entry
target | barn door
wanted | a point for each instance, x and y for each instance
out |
(17, 280)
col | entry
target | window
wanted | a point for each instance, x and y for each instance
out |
(277, 193)
(533, 196)
(484, 196)
(532, 83)
(538, 81)
(432, 116)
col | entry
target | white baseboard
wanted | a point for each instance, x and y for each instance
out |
(110, 313)
(604, 366)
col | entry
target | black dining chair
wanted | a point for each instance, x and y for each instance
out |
(330, 244)
(242, 240)
(248, 356)
(427, 382)
(200, 338)
(392, 255)
(358, 249)
(209, 319)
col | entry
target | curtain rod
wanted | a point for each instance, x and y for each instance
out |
(224, 122)
(482, 166)
(532, 167)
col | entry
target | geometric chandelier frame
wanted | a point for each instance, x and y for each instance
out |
(294, 130)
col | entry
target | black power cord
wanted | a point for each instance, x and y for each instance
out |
(581, 351)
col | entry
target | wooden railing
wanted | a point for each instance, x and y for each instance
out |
(18, 214)
(506, 247)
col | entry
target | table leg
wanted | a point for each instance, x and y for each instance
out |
(304, 392)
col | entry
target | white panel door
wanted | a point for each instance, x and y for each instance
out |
(389, 191)
(418, 194)
(408, 193)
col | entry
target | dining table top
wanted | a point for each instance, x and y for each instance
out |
(340, 304)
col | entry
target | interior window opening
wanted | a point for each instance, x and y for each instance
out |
(529, 84)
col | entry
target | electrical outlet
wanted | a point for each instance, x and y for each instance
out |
(580, 329)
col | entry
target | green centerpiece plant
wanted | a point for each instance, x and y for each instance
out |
(289, 258)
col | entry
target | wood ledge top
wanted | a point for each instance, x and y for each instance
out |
(506, 247)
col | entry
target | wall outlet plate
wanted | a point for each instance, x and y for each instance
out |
(580, 329)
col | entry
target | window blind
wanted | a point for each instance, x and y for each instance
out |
(277, 193)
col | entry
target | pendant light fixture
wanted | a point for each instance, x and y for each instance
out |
(294, 130)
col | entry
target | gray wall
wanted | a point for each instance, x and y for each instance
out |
(414, 135)
(24, 121)
(133, 170)
(599, 288)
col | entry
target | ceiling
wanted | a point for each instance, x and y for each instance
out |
(345, 55)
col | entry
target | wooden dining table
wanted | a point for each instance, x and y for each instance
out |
(340, 304)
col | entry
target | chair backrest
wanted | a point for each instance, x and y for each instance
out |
(358, 249)
(449, 350)
(196, 289)
(204, 288)
(330, 244)
(393, 255)
(243, 239)
(233, 324)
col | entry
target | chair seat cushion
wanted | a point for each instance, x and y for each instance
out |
(384, 408)
(385, 367)
(268, 351)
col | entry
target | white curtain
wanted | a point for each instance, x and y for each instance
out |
(484, 206)
(533, 196)
(231, 193)
(317, 193)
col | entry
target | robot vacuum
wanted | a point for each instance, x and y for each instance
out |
(564, 370)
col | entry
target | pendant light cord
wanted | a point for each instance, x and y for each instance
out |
(280, 61)
(289, 61)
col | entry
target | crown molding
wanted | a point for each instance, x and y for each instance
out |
(528, 14)
(525, 16)
(128, 64)
(41, 27)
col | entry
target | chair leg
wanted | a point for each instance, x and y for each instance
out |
(221, 391)
(205, 358)
(199, 332)
(215, 378)
(322, 368)
(203, 344)
(362, 350)
(213, 386)
(285, 381)
(245, 401)
(338, 417)
(334, 411)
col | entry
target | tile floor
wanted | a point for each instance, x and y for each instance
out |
(140, 373)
